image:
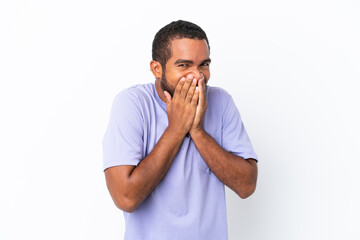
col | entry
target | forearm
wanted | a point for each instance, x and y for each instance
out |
(147, 175)
(235, 172)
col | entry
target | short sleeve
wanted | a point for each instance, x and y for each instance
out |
(123, 139)
(234, 136)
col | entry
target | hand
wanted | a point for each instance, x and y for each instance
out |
(197, 125)
(182, 107)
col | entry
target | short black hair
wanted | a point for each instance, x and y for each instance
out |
(161, 47)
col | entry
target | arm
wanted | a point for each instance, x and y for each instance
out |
(130, 185)
(237, 173)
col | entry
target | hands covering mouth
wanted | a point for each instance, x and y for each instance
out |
(187, 107)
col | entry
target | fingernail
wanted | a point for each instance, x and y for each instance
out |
(182, 79)
(194, 80)
(190, 76)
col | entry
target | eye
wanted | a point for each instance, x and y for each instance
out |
(206, 64)
(182, 65)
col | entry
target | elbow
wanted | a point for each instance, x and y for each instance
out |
(125, 204)
(121, 188)
(247, 186)
(247, 191)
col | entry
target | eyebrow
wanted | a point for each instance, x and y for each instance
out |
(206, 60)
(191, 62)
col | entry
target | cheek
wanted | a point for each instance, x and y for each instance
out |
(207, 76)
(172, 78)
(173, 74)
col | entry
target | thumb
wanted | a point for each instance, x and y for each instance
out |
(168, 97)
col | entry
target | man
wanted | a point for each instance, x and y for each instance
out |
(171, 146)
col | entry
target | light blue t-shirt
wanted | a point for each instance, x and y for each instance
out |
(189, 202)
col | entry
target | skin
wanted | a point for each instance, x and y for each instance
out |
(186, 75)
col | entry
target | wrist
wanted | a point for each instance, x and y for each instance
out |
(197, 133)
(175, 133)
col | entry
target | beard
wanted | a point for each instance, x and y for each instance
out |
(165, 85)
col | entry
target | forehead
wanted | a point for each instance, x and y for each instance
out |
(191, 49)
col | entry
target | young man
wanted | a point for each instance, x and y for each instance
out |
(171, 146)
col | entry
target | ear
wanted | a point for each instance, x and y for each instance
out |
(156, 69)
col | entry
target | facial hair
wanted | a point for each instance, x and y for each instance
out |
(165, 85)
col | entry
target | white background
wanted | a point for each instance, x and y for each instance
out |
(292, 67)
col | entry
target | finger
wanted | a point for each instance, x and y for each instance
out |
(202, 91)
(204, 88)
(187, 84)
(191, 91)
(167, 97)
(179, 86)
(195, 98)
(202, 76)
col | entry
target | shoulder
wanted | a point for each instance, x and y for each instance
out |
(218, 95)
(135, 95)
(132, 102)
(217, 92)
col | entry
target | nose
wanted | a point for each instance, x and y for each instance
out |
(196, 73)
